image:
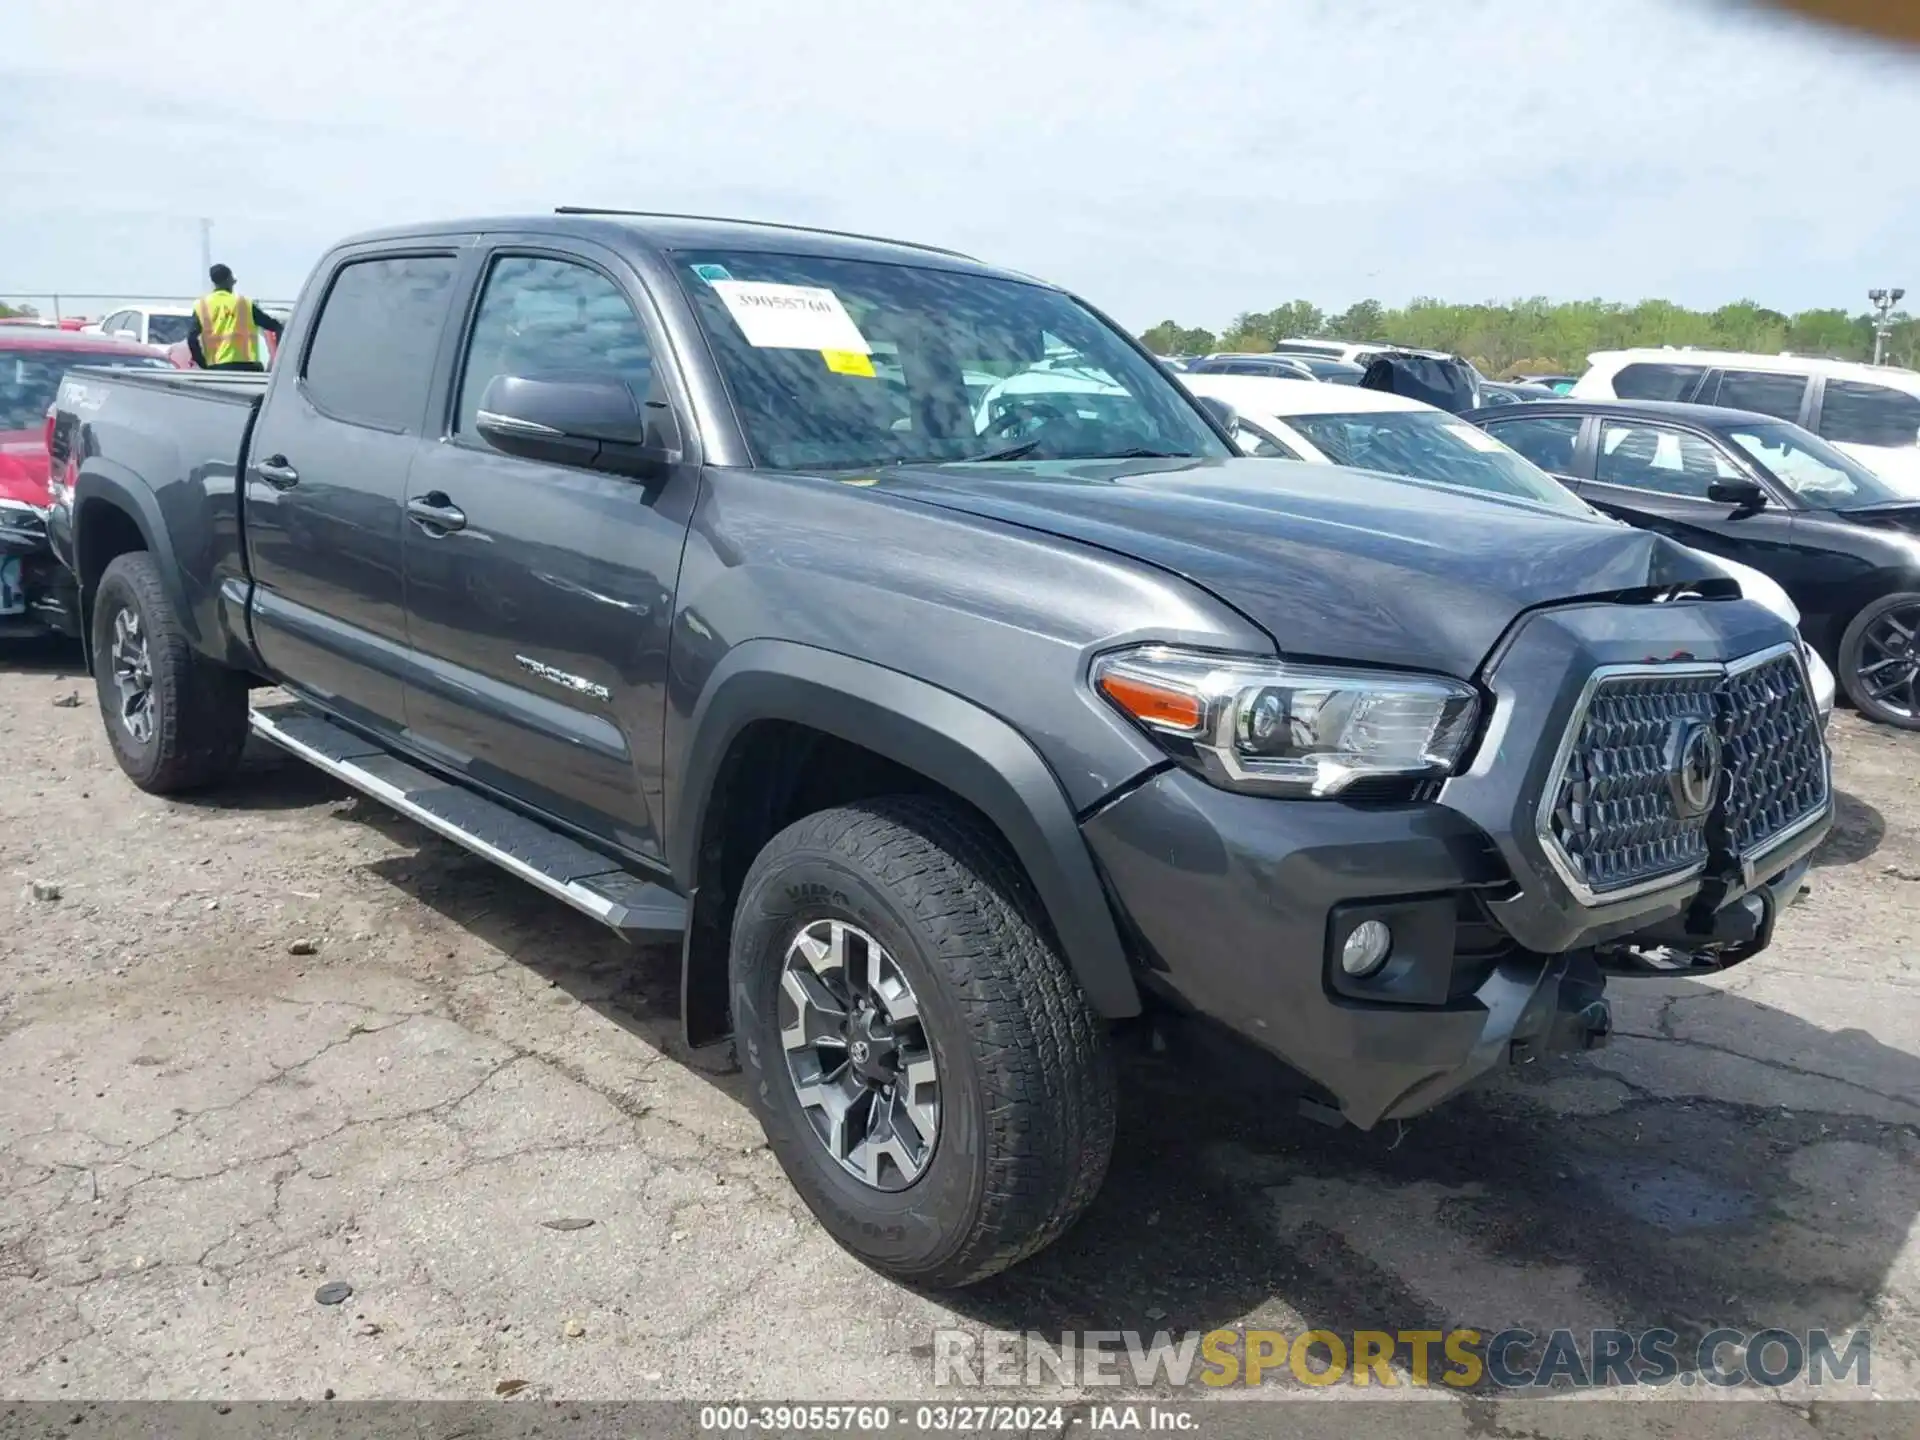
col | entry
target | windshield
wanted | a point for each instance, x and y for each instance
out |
(29, 378)
(167, 329)
(1820, 475)
(1429, 445)
(844, 364)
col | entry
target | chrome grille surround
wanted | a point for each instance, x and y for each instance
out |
(1608, 820)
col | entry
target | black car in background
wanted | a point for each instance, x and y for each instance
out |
(1513, 392)
(1764, 492)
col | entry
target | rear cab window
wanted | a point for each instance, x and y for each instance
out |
(370, 360)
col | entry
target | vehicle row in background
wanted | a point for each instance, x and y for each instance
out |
(1872, 412)
(1764, 492)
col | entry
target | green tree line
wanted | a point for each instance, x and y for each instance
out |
(1546, 336)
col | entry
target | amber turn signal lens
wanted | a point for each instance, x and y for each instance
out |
(1162, 706)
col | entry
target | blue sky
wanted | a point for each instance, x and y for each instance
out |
(1166, 158)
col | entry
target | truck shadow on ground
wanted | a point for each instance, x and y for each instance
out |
(1724, 1163)
(45, 655)
(1858, 829)
(269, 779)
(636, 987)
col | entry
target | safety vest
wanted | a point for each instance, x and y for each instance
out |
(227, 332)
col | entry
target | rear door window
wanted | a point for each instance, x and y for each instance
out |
(371, 358)
(1853, 412)
(1547, 440)
(1766, 392)
(1648, 380)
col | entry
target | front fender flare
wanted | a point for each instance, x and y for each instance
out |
(953, 742)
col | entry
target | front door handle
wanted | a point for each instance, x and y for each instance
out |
(434, 511)
(277, 472)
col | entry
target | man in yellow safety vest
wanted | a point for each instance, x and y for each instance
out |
(225, 331)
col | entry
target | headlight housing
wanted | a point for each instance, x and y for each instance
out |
(1277, 728)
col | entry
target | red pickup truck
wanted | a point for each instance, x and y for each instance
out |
(36, 592)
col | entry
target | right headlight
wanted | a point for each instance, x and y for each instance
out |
(1273, 727)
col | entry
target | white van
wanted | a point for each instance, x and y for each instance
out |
(1870, 411)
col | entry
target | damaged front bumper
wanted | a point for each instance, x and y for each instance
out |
(1237, 907)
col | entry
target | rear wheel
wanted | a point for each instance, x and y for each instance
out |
(920, 1056)
(176, 722)
(1880, 660)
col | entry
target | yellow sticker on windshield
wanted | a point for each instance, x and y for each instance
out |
(848, 362)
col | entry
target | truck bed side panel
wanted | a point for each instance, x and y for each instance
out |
(166, 451)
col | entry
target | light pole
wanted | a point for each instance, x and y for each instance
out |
(1883, 303)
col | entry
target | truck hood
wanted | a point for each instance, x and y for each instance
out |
(1335, 564)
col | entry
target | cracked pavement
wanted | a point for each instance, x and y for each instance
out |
(199, 1128)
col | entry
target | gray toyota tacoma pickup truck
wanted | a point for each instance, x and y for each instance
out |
(727, 582)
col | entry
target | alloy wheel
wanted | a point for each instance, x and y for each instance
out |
(857, 1053)
(133, 676)
(1888, 669)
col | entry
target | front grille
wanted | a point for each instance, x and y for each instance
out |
(1774, 753)
(1616, 820)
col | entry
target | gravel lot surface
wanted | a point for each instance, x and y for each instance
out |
(281, 1038)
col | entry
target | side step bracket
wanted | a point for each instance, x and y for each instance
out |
(637, 909)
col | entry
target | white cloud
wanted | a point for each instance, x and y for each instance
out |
(1188, 159)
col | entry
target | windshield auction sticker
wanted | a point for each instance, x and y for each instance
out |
(791, 317)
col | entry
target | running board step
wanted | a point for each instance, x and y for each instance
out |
(565, 869)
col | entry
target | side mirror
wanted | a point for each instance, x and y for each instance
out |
(594, 423)
(1741, 494)
(1224, 414)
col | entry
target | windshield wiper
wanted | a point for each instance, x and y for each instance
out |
(1141, 452)
(1011, 452)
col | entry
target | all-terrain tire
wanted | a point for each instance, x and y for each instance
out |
(1025, 1072)
(197, 720)
(1901, 710)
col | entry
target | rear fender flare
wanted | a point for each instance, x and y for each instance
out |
(952, 742)
(102, 481)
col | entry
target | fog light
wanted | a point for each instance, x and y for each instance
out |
(1366, 949)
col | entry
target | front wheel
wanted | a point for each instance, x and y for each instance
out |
(921, 1058)
(1880, 660)
(176, 722)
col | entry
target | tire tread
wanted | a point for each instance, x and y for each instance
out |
(1045, 1066)
(200, 708)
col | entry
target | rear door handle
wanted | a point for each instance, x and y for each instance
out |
(277, 472)
(434, 511)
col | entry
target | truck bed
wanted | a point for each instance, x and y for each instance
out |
(224, 384)
(184, 435)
